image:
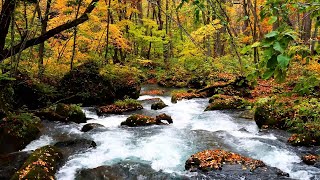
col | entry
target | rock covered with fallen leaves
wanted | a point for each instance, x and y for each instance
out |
(119, 107)
(222, 102)
(41, 164)
(209, 160)
(311, 159)
(178, 96)
(142, 120)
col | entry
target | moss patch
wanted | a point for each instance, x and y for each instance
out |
(42, 164)
(221, 102)
(120, 106)
(18, 130)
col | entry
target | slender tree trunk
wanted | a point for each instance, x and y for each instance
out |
(314, 37)
(44, 25)
(307, 24)
(75, 33)
(108, 30)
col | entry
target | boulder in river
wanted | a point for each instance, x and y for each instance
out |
(310, 159)
(178, 96)
(63, 113)
(10, 163)
(84, 84)
(120, 106)
(164, 117)
(139, 120)
(229, 162)
(158, 105)
(91, 126)
(123, 171)
(41, 164)
(222, 102)
(70, 147)
(18, 130)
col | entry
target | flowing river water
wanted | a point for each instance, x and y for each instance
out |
(166, 148)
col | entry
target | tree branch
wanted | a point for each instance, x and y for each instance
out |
(35, 41)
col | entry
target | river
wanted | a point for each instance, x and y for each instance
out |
(166, 148)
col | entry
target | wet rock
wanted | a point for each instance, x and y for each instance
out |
(152, 100)
(209, 160)
(123, 171)
(120, 107)
(41, 164)
(18, 130)
(247, 114)
(84, 84)
(10, 163)
(220, 164)
(91, 126)
(158, 105)
(177, 96)
(310, 159)
(139, 120)
(303, 140)
(222, 102)
(75, 146)
(164, 117)
(63, 113)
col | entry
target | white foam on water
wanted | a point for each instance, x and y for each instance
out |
(166, 147)
(111, 145)
(42, 141)
(274, 156)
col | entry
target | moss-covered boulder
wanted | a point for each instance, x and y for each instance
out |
(18, 130)
(271, 113)
(179, 95)
(158, 105)
(222, 102)
(84, 84)
(125, 80)
(119, 107)
(64, 113)
(24, 91)
(42, 164)
(139, 120)
(300, 116)
(91, 126)
(165, 117)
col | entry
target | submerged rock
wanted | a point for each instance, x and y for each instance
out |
(120, 106)
(63, 113)
(18, 130)
(75, 146)
(231, 165)
(158, 105)
(91, 126)
(41, 164)
(123, 171)
(222, 102)
(10, 163)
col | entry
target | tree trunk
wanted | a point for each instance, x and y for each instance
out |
(307, 24)
(75, 33)
(108, 30)
(44, 25)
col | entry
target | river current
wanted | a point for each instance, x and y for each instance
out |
(166, 148)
